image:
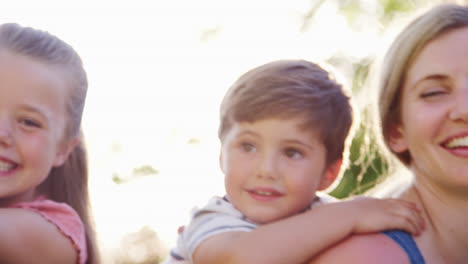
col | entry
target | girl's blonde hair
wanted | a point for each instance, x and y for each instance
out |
(402, 53)
(69, 182)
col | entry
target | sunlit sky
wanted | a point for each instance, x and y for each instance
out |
(157, 72)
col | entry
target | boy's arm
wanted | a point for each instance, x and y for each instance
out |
(298, 238)
(26, 237)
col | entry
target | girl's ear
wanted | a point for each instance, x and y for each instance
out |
(64, 150)
(330, 175)
(396, 139)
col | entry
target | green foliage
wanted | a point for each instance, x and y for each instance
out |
(145, 170)
(392, 8)
(352, 10)
(365, 168)
(309, 15)
(366, 165)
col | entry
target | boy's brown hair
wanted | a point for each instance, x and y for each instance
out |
(289, 89)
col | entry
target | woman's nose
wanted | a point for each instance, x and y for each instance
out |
(459, 111)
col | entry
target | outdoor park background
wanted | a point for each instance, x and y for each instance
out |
(157, 72)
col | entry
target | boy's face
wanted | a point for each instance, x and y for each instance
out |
(273, 168)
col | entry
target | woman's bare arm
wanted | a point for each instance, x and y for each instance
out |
(363, 249)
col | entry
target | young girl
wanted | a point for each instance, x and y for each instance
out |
(44, 205)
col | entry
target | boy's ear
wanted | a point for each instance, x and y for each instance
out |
(64, 150)
(396, 139)
(221, 161)
(330, 175)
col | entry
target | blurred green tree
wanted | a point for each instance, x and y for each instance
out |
(366, 165)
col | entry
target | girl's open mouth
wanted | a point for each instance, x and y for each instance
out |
(7, 166)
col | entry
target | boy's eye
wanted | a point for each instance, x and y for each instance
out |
(247, 147)
(293, 153)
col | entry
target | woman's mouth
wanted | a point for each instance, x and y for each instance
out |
(459, 142)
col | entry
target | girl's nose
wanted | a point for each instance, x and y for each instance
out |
(6, 137)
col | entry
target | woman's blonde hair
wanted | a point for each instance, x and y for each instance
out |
(69, 182)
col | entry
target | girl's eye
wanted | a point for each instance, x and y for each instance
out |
(30, 123)
(293, 153)
(247, 147)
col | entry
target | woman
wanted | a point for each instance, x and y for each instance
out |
(424, 119)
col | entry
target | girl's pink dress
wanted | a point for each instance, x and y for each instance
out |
(64, 218)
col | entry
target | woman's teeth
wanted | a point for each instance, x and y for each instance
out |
(457, 142)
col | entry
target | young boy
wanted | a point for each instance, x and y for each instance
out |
(283, 131)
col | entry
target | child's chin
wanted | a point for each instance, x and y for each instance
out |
(261, 220)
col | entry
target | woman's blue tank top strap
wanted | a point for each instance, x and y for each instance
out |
(406, 241)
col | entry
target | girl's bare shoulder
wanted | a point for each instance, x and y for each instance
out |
(27, 236)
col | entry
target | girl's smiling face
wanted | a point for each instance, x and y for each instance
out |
(434, 112)
(32, 125)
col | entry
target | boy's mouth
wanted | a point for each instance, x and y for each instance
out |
(265, 192)
(459, 142)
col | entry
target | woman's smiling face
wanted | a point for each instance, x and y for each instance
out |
(434, 112)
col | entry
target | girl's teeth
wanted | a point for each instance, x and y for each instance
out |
(457, 142)
(5, 166)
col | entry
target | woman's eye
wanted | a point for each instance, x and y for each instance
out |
(432, 94)
(433, 89)
(247, 147)
(293, 153)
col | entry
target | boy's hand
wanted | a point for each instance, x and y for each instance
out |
(373, 215)
(180, 229)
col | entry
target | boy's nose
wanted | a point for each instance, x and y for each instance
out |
(266, 167)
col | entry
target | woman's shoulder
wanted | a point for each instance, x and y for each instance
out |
(364, 248)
